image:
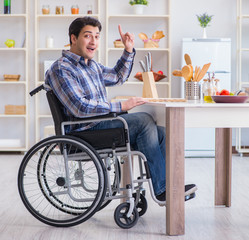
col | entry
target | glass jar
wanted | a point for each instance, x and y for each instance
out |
(75, 9)
(45, 9)
(59, 10)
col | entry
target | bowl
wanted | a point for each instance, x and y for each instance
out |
(157, 76)
(229, 99)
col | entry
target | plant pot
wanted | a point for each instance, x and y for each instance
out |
(138, 9)
(204, 33)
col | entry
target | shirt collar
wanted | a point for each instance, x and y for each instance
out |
(74, 58)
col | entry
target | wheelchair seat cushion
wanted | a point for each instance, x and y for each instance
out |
(103, 138)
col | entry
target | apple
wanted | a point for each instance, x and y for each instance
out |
(224, 92)
(10, 43)
(160, 72)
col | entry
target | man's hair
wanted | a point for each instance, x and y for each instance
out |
(76, 26)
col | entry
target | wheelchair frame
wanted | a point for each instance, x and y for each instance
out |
(73, 150)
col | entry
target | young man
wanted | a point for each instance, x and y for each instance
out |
(80, 84)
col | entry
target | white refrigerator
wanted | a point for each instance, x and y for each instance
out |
(201, 142)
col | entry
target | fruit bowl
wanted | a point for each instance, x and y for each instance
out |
(229, 99)
(157, 76)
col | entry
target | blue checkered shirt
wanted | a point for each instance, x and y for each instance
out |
(81, 88)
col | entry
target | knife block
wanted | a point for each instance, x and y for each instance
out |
(149, 87)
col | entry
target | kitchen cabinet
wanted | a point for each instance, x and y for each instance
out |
(153, 19)
(14, 126)
(242, 65)
(51, 37)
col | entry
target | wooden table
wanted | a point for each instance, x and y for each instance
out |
(178, 116)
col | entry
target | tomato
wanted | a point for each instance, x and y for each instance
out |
(160, 72)
(224, 92)
(217, 93)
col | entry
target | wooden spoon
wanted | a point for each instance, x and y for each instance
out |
(186, 72)
(203, 71)
(177, 73)
(187, 59)
(192, 70)
(197, 73)
(143, 36)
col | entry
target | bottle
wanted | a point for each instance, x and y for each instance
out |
(210, 89)
(89, 9)
(217, 86)
(204, 88)
(7, 6)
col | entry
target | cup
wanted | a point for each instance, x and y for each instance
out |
(192, 90)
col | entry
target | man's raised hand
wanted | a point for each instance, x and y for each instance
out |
(127, 39)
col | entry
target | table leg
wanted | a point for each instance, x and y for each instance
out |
(223, 165)
(175, 131)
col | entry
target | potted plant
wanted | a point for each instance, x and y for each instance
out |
(204, 20)
(138, 5)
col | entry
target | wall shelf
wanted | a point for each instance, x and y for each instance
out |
(161, 57)
(15, 61)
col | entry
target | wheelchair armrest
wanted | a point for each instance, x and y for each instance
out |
(109, 115)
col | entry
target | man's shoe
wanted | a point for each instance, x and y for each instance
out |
(190, 190)
(189, 193)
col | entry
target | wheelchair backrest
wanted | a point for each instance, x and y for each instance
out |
(56, 109)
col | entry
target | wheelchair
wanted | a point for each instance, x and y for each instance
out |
(64, 180)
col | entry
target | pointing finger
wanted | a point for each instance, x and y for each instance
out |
(120, 30)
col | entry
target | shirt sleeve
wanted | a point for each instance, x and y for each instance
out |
(121, 71)
(63, 81)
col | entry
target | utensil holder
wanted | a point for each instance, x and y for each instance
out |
(149, 87)
(192, 90)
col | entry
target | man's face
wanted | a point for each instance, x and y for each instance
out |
(87, 42)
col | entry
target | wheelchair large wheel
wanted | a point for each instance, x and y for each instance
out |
(62, 181)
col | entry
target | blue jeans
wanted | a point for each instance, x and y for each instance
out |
(148, 138)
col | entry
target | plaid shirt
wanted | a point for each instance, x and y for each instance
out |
(81, 88)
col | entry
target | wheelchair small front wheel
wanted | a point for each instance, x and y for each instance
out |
(141, 205)
(121, 219)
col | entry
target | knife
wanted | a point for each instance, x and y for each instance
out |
(149, 57)
(142, 65)
(147, 63)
